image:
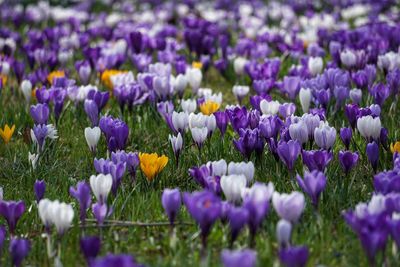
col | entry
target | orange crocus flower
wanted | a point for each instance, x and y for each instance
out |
(152, 164)
(395, 148)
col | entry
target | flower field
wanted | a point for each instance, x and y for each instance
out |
(200, 133)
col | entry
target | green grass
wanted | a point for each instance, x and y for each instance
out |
(68, 160)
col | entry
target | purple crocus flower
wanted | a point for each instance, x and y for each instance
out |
(40, 113)
(222, 121)
(291, 86)
(43, 95)
(92, 111)
(248, 142)
(131, 159)
(289, 152)
(351, 111)
(270, 126)
(256, 201)
(100, 98)
(313, 184)
(348, 160)
(117, 171)
(380, 93)
(19, 249)
(100, 212)
(238, 118)
(239, 258)
(294, 256)
(346, 135)
(316, 159)
(39, 188)
(171, 202)
(90, 247)
(82, 194)
(12, 211)
(205, 208)
(40, 133)
(287, 109)
(372, 152)
(238, 217)
(83, 68)
(121, 260)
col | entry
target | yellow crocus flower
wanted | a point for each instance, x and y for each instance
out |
(197, 64)
(3, 79)
(209, 107)
(152, 164)
(395, 148)
(7, 133)
(55, 74)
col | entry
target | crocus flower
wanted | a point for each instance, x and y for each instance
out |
(7, 133)
(294, 256)
(180, 121)
(325, 136)
(238, 217)
(239, 258)
(283, 233)
(205, 208)
(298, 131)
(256, 201)
(90, 247)
(269, 107)
(222, 121)
(176, 143)
(369, 127)
(19, 249)
(232, 186)
(348, 160)
(101, 186)
(152, 164)
(244, 168)
(289, 152)
(248, 142)
(63, 215)
(92, 136)
(117, 171)
(289, 206)
(199, 135)
(122, 260)
(55, 75)
(92, 111)
(171, 202)
(240, 91)
(12, 212)
(39, 188)
(26, 88)
(270, 126)
(395, 148)
(346, 135)
(372, 151)
(131, 160)
(82, 194)
(313, 184)
(305, 99)
(316, 159)
(209, 107)
(315, 65)
(40, 113)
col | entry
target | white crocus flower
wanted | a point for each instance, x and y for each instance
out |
(232, 186)
(92, 136)
(101, 186)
